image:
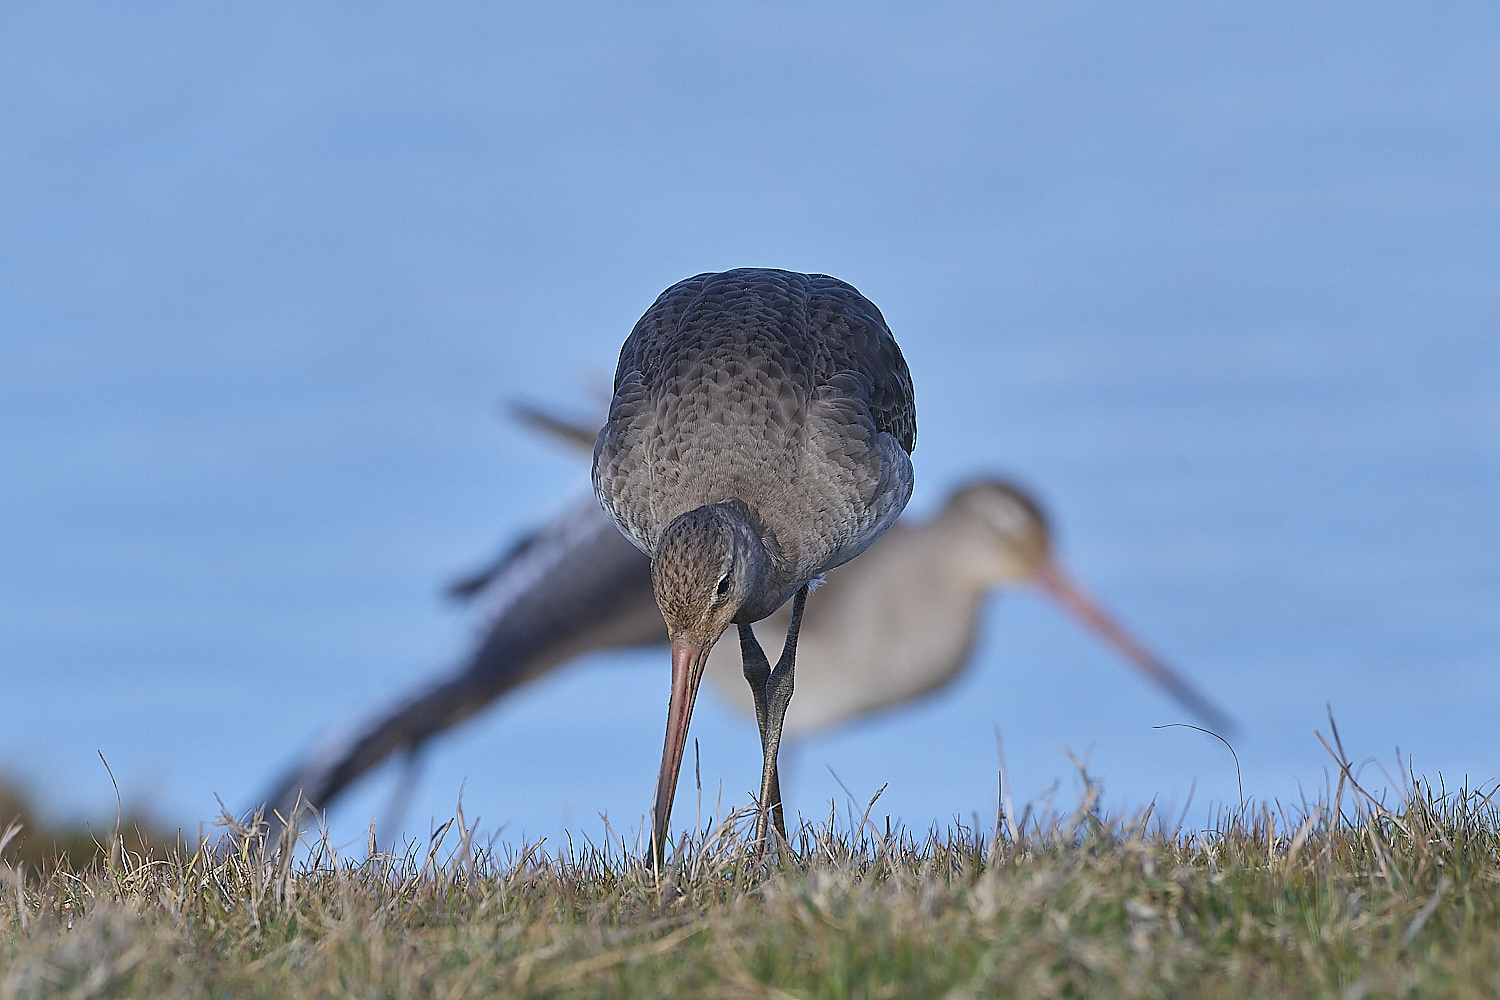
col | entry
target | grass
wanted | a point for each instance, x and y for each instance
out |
(1343, 898)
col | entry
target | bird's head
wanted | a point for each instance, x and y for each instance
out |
(1005, 530)
(704, 570)
(707, 565)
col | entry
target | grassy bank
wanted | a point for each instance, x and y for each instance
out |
(1345, 898)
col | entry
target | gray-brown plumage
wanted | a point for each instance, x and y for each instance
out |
(758, 436)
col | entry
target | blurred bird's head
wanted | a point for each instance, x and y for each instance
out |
(1004, 528)
(1005, 540)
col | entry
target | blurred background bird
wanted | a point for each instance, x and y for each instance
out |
(898, 623)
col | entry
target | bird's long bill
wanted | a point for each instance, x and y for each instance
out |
(1051, 579)
(688, 661)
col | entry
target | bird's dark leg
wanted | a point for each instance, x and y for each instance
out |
(778, 697)
(773, 692)
(758, 673)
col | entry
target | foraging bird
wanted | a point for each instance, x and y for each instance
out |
(759, 436)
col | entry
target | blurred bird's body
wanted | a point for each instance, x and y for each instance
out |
(904, 623)
(900, 625)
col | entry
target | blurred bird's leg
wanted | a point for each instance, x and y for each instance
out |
(771, 699)
(389, 826)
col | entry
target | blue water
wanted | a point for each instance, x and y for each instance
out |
(1218, 281)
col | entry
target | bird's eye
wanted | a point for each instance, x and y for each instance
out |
(724, 585)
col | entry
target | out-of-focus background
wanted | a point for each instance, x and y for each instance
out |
(1217, 281)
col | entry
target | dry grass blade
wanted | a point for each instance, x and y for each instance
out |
(598, 963)
(1427, 910)
(1300, 838)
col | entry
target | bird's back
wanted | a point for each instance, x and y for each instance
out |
(785, 390)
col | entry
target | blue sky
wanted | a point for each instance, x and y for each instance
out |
(1217, 281)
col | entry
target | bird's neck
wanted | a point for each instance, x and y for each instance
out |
(971, 552)
(774, 576)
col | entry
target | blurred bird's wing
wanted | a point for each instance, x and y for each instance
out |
(469, 586)
(572, 586)
(576, 433)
